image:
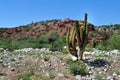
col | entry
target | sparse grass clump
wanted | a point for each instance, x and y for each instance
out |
(51, 74)
(78, 68)
(46, 57)
(68, 60)
(98, 77)
(26, 76)
(118, 72)
(64, 51)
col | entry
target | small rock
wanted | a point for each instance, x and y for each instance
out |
(114, 74)
(78, 77)
(9, 66)
(17, 62)
(92, 67)
(110, 78)
(74, 58)
(114, 60)
(105, 69)
(90, 72)
(60, 75)
(119, 76)
(92, 77)
(12, 69)
(1, 61)
(100, 72)
(63, 64)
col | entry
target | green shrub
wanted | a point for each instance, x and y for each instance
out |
(46, 57)
(114, 42)
(103, 45)
(78, 69)
(51, 74)
(64, 51)
(88, 48)
(68, 60)
(98, 77)
(26, 76)
(118, 72)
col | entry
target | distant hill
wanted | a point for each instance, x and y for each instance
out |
(37, 29)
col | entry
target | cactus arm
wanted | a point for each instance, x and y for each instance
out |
(84, 33)
(73, 39)
(78, 33)
(68, 38)
(81, 33)
(85, 22)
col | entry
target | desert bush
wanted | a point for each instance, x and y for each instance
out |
(114, 42)
(98, 77)
(64, 51)
(68, 60)
(78, 68)
(51, 74)
(50, 40)
(26, 76)
(46, 57)
(118, 72)
(60, 42)
(103, 45)
(110, 44)
(88, 48)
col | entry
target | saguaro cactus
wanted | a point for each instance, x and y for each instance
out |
(78, 33)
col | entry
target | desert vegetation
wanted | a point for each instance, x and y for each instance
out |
(43, 55)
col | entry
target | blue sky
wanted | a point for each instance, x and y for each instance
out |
(14, 13)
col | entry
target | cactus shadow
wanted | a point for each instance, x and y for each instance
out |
(97, 62)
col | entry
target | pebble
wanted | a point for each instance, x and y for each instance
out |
(105, 69)
(63, 64)
(110, 78)
(1, 61)
(12, 69)
(119, 76)
(60, 75)
(74, 58)
(114, 74)
(78, 77)
(90, 72)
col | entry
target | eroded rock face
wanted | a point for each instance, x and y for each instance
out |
(36, 29)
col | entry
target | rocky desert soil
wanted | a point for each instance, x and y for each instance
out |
(43, 64)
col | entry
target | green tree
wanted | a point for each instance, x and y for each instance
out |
(52, 38)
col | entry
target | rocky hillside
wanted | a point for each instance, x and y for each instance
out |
(35, 30)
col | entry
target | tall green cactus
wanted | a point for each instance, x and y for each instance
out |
(79, 32)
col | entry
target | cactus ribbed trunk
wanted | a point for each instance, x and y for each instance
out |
(80, 32)
(84, 38)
